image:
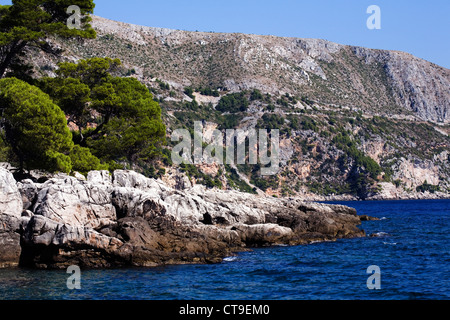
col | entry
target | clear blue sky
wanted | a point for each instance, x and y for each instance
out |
(421, 28)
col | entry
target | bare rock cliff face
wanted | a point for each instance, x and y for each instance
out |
(11, 207)
(129, 220)
(416, 84)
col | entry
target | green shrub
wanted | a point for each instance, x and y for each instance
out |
(428, 187)
(208, 92)
(256, 95)
(83, 161)
(271, 121)
(232, 103)
(189, 92)
(236, 182)
(129, 125)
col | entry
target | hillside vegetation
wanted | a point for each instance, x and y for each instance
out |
(354, 122)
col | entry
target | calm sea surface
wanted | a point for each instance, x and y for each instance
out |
(411, 248)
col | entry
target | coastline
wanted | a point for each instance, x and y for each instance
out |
(400, 196)
(107, 220)
(125, 219)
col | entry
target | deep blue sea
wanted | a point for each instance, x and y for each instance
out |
(411, 248)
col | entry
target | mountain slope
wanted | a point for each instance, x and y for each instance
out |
(375, 81)
(354, 122)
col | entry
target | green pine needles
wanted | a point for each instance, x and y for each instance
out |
(116, 119)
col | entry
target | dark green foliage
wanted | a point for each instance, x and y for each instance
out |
(152, 172)
(130, 72)
(263, 183)
(326, 188)
(364, 170)
(360, 184)
(294, 122)
(309, 124)
(210, 182)
(4, 150)
(189, 92)
(307, 101)
(283, 102)
(270, 107)
(236, 182)
(397, 182)
(163, 85)
(92, 72)
(34, 127)
(128, 124)
(83, 161)
(166, 157)
(193, 105)
(72, 96)
(346, 144)
(256, 95)
(232, 103)
(270, 122)
(208, 92)
(186, 118)
(228, 121)
(428, 187)
(290, 98)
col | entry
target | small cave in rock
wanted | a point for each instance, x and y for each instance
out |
(221, 221)
(207, 219)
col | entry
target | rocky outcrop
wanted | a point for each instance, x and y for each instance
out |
(388, 191)
(126, 219)
(75, 202)
(10, 219)
(47, 243)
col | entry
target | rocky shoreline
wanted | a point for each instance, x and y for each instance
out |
(125, 219)
(397, 195)
(388, 191)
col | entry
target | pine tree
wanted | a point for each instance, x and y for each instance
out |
(128, 125)
(34, 127)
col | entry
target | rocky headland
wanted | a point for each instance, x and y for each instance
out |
(126, 219)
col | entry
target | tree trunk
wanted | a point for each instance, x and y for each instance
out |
(16, 49)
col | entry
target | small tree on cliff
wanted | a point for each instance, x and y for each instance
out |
(29, 23)
(34, 127)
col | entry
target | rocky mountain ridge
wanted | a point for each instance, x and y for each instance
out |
(374, 81)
